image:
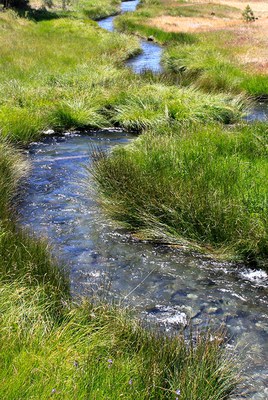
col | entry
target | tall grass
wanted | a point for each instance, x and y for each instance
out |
(212, 69)
(211, 61)
(51, 78)
(204, 185)
(98, 352)
(51, 346)
(67, 73)
(158, 104)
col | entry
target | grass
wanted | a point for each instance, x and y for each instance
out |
(158, 104)
(54, 347)
(94, 9)
(212, 61)
(67, 73)
(205, 185)
(211, 68)
(131, 24)
(98, 352)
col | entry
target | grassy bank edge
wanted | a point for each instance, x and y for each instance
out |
(198, 59)
(52, 346)
(199, 187)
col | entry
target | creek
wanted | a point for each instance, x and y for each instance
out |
(168, 287)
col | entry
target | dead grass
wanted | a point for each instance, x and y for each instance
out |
(192, 24)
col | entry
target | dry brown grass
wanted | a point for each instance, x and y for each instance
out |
(192, 24)
(251, 39)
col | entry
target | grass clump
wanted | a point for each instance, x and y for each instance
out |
(212, 69)
(205, 185)
(67, 74)
(52, 346)
(158, 104)
(98, 352)
(96, 9)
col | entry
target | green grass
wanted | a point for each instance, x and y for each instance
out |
(96, 9)
(129, 23)
(203, 185)
(54, 347)
(158, 104)
(99, 352)
(208, 60)
(211, 68)
(67, 73)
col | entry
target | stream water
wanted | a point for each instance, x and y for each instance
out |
(167, 286)
(150, 57)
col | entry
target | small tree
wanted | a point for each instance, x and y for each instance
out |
(248, 15)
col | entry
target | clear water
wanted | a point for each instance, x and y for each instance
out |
(259, 112)
(150, 57)
(167, 286)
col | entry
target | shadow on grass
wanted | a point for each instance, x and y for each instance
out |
(41, 14)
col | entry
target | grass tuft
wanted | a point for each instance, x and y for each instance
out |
(203, 184)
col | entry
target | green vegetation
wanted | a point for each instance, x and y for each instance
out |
(211, 68)
(66, 73)
(132, 24)
(203, 184)
(208, 60)
(248, 14)
(97, 352)
(52, 346)
(63, 72)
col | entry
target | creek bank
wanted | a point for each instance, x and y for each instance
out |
(166, 286)
(103, 259)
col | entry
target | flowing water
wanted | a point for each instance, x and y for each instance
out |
(259, 112)
(167, 286)
(150, 57)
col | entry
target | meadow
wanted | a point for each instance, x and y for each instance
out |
(61, 71)
(208, 45)
(69, 74)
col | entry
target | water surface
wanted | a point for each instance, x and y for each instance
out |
(170, 287)
(259, 112)
(150, 57)
(167, 286)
